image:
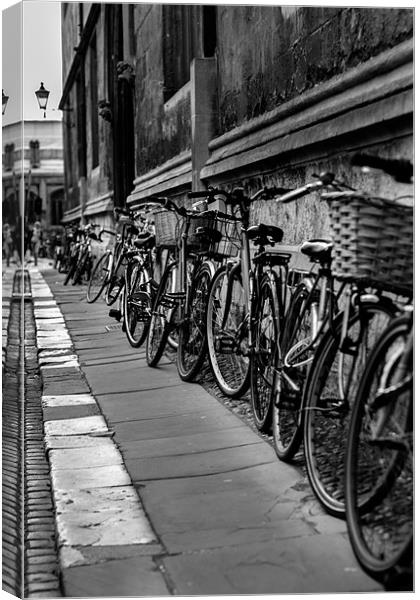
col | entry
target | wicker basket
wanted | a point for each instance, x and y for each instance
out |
(218, 235)
(373, 240)
(167, 227)
(230, 242)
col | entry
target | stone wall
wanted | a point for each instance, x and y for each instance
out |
(269, 55)
(163, 130)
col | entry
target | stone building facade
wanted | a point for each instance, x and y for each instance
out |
(33, 172)
(167, 98)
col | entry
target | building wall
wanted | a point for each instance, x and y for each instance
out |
(290, 91)
(269, 55)
(163, 130)
(44, 180)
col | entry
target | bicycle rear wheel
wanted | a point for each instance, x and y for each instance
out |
(287, 405)
(264, 355)
(379, 463)
(98, 279)
(329, 398)
(162, 316)
(228, 346)
(192, 342)
(137, 304)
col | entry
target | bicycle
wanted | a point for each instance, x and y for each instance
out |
(379, 459)
(379, 462)
(139, 287)
(245, 308)
(100, 273)
(182, 293)
(344, 346)
(81, 255)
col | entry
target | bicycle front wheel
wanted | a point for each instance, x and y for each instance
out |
(98, 279)
(296, 356)
(264, 354)
(161, 321)
(379, 464)
(192, 342)
(329, 398)
(228, 345)
(137, 304)
(71, 269)
(80, 269)
(116, 277)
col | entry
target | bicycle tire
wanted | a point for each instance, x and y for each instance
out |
(137, 309)
(264, 351)
(98, 279)
(192, 342)
(379, 471)
(162, 316)
(80, 269)
(287, 405)
(116, 276)
(230, 367)
(325, 418)
(72, 268)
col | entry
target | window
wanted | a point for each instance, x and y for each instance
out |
(94, 102)
(34, 159)
(9, 157)
(189, 31)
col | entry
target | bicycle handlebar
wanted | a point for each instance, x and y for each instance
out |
(238, 194)
(400, 169)
(323, 180)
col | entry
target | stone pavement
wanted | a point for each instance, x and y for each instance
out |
(159, 488)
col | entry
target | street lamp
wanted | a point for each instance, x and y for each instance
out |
(4, 103)
(42, 97)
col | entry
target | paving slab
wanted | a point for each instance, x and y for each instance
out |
(235, 437)
(117, 578)
(222, 460)
(180, 398)
(312, 564)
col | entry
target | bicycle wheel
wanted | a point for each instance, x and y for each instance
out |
(287, 405)
(379, 463)
(228, 346)
(137, 304)
(329, 397)
(162, 317)
(80, 269)
(192, 342)
(98, 279)
(265, 338)
(71, 270)
(116, 277)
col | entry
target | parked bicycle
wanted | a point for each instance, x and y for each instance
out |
(379, 462)
(373, 239)
(101, 270)
(81, 256)
(182, 294)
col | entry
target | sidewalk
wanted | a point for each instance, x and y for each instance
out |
(219, 514)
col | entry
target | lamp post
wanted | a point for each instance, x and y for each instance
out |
(4, 102)
(42, 97)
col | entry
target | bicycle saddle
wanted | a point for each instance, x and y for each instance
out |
(265, 234)
(319, 250)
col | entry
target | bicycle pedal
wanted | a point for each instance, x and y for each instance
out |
(115, 313)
